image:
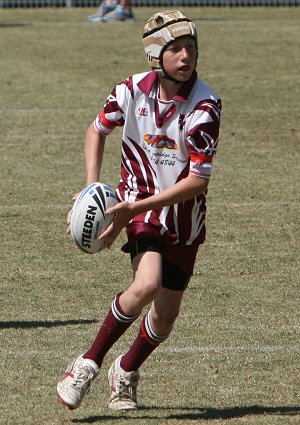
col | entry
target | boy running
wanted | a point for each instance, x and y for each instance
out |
(170, 121)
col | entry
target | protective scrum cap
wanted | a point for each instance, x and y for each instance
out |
(163, 28)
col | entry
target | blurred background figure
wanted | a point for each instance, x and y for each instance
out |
(113, 11)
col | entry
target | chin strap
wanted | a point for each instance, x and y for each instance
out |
(168, 77)
(163, 74)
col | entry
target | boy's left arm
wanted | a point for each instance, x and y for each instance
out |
(185, 189)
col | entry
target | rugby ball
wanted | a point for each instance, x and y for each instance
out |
(88, 219)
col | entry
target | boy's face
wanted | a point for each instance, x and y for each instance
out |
(180, 58)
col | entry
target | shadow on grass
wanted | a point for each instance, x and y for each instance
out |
(14, 25)
(28, 324)
(194, 413)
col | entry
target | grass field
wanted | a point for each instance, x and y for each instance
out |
(234, 355)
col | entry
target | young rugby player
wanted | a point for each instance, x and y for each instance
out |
(170, 121)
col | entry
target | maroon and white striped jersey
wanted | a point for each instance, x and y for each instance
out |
(162, 143)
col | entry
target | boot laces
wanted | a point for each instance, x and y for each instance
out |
(81, 377)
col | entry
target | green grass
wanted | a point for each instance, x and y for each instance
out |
(234, 355)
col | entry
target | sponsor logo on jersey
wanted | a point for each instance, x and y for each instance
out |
(143, 112)
(160, 141)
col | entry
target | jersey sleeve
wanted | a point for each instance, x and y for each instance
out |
(114, 111)
(203, 137)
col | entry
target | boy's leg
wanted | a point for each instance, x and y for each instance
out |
(80, 373)
(127, 306)
(112, 328)
(123, 375)
(147, 271)
(154, 329)
(124, 310)
(158, 323)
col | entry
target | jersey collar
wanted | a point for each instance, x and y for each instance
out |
(149, 83)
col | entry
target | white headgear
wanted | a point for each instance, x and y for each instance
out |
(162, 29)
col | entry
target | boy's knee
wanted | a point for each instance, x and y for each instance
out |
(148, 289)
(145, 289)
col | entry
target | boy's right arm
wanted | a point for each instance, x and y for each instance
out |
(94, 149)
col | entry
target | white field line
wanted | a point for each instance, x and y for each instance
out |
(34, 206)
(235, 350)
(41, 110)
(170, 350)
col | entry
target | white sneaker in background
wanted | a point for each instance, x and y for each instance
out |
(104, 9)
(120, 14)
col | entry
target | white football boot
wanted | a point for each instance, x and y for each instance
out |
(123, 387)
(76, 382)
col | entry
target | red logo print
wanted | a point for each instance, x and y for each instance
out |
(143, 112)
(160, 141)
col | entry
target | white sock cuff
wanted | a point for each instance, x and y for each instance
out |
(120, 316)
(150, 331)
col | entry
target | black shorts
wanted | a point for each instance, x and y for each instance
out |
(172, 277)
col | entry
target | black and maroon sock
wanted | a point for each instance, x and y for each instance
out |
(112, 328)
(144, 344)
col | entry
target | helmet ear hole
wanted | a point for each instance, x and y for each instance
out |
(159, 21)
